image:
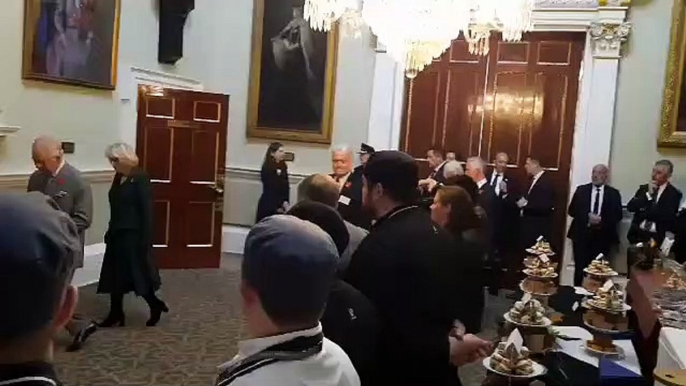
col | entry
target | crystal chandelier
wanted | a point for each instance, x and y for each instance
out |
(415, 32)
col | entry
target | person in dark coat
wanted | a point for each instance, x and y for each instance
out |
(596, 210)
(537, 205)
(655, 206)
(129, 265)
(276, 189)
(357, 215)
(454, 211)
(349, 319)
(406, 266)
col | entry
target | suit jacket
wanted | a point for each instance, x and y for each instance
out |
(610, 212)
(486, 199)
(71, 193)
(505, 214)
(406, 267)
(438, 174)
(662, 213)
(350, 204)
(537, 215)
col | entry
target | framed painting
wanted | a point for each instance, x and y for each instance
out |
(673, 127)
(292, 76)
(72, 41)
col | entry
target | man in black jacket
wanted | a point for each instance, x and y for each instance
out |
(654, 206)
(39, 244)
(596, 210)
(357, 215)
(407, 268)
(537, 205)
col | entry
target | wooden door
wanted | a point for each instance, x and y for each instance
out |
(181, 143)
(520, 99)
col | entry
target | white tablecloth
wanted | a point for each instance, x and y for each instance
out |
(671, 352)
(575, 348)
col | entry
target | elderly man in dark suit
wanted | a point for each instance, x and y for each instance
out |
(596, 210)
(654, 206)
(57, 179)
(537, 204)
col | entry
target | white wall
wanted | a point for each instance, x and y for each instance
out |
(639, 100)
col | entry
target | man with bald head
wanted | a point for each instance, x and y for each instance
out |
(596, 210)
(62, 182)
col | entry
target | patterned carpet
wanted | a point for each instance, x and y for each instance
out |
(199, 333)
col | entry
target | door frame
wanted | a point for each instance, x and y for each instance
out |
(595, 109)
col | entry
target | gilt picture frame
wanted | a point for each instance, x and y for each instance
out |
(672, 131)
(292, 75)
(72, 42)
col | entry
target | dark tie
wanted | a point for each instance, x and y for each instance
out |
(596, 204)
(654, 194)
(495, 180)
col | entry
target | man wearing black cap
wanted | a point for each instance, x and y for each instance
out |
(288, 269)
(38, 244)
(407, 268)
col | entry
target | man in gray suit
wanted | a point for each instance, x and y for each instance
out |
(323, 188)
(62, 182)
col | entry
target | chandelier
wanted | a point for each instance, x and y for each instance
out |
(415, 32)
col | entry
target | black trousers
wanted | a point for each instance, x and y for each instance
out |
(585, 250)
(117, 302)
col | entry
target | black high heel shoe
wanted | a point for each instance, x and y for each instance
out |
(113, 320)
(156, 314)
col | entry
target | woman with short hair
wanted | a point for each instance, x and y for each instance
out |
(129, 265)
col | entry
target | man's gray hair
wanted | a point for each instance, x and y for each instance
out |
(477, 162)
(122, 152)
(452, 169)
(666, 163)
(342, 149)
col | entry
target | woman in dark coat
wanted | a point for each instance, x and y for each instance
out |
(128, 265)
(454, 210)
(275, 187)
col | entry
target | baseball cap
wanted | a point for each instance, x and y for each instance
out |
(38, 243)
(396, 171)
(291, 264)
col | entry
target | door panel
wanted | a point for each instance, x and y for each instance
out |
(520, 99)
(182, 145)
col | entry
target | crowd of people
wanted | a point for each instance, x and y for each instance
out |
(373, 277)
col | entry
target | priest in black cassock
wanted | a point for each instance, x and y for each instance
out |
(596, 210)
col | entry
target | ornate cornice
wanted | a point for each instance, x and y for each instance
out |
(607, 38)
(581, 3)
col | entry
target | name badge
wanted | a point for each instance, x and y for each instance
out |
(344, 200)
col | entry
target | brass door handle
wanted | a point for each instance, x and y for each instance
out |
(218, 188)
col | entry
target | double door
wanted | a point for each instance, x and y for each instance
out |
(519, 99)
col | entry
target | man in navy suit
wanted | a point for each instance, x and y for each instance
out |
(596, 210)
(654, 206)
(537, 204)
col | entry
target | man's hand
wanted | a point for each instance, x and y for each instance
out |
(428, 184)
(522, 202)
(594, 219)
(471, 348)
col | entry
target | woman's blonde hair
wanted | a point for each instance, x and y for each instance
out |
(123, 153)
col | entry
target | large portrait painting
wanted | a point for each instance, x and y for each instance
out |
(673, 127)
(292, 77)
(72, 41)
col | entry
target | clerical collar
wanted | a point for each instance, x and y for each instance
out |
(59, 169)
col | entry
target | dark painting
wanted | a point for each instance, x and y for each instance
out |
(292, 86)
(71, 41)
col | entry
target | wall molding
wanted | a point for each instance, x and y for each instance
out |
(253, 174)
(20, 180)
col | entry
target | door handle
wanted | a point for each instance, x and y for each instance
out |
(217, 187)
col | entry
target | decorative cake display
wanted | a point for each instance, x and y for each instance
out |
(608, 298)
(511, 359)
(675, 282)
(538, 287)
(545, 271)
(606, 322)
(602, 346)
(541, 247)
(528, 312)
(600, 267)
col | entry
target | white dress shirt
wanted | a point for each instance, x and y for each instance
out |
(330, 367)
(594, 190)
(535, 180)
(496, 185)
(481, 183)
(644, 224)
